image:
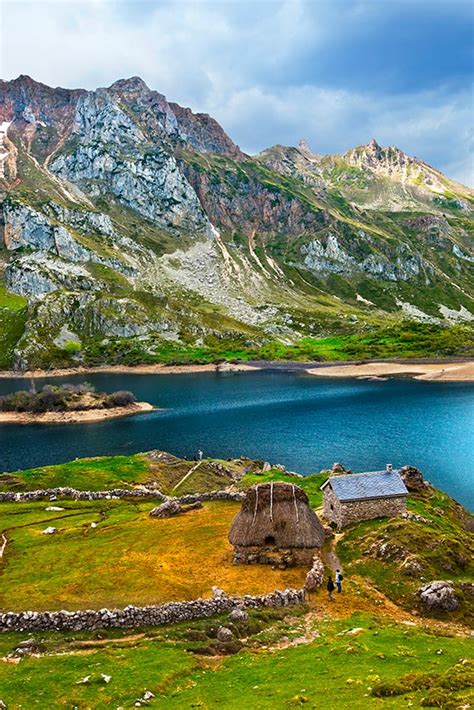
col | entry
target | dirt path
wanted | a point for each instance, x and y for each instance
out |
(185, 478)
(329, 555)
(4, 545)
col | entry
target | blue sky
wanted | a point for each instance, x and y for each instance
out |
(335, 72)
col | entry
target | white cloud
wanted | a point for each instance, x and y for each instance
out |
(246, 63)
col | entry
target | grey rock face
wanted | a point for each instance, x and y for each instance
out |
(111, 154)
(438, 596)
(26, 228)
(35, 275)
(82, 220)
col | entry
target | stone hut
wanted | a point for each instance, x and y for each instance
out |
(363, 496)
(276, 526)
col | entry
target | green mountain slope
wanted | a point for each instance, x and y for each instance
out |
(137, 230)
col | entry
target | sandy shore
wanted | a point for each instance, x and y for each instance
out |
(87, 415)
(158, 369)
(440, 372)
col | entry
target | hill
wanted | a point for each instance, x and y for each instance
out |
(134, 230)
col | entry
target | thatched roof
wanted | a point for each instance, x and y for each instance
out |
(276, 514)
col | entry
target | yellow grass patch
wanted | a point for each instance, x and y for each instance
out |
(131, 558)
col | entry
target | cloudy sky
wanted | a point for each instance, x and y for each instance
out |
(335, 72)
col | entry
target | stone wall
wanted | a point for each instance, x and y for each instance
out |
(344, 513)
(277, 557)
(114, 493)
(135, 616)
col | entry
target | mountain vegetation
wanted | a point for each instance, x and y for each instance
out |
(134, 230)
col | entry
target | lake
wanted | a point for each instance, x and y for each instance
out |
(301, 421)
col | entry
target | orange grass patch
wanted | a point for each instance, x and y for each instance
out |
(131, 558)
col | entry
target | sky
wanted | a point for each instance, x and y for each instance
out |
(334, 72)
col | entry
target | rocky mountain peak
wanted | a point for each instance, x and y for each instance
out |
(373, 145)
(133, 84)
(303, 145)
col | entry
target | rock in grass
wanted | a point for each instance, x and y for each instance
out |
(238, 615)
(49, 531)
(224, 634)
(167, 509)
(438, 595)
(84, 681)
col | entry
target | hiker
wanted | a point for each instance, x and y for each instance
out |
(339, 579)
(200, 455)
(330, 587)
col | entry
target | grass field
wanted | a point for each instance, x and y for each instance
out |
(288, 659)
(128, 558)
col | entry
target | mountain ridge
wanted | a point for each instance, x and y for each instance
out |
(126, 217)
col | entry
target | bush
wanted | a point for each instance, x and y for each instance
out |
(65, 398)
(15, 402)
(121, 398)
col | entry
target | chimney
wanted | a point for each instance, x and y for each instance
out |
(389, 468)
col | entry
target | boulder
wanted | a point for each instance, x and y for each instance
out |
(412, 478)
(167, 509)
(49, 531)
(315, 576)
(238, 614)
(224, 634)
(438, 595)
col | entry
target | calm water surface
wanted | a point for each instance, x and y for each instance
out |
(296, 419)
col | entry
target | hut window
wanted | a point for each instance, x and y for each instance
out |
(332, 507)
(269, 540)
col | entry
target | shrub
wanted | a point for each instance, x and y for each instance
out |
(121, 398)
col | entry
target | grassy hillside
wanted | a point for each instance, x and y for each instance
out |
(372, 647)
(349, 341)
(275, 669)
(105, 472)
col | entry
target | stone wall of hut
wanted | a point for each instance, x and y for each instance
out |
(345, 513)
(277, 557)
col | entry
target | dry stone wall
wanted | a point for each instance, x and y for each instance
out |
(114, 493)
(136, 616)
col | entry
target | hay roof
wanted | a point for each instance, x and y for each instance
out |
(276, 514)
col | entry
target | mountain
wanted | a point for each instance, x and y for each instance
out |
(133, 226)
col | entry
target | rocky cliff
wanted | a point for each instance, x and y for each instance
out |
(125, 216)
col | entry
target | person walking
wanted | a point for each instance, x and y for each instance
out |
(330, 587)
(339, 579)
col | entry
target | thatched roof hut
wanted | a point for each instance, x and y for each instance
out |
(275, 516)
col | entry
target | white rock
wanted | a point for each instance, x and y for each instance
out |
(49, 531)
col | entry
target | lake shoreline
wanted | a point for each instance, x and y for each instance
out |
(431, 369)
(75, 417)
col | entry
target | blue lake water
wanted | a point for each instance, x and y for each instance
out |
(296, 419)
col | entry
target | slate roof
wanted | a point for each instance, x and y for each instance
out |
(362, 486)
